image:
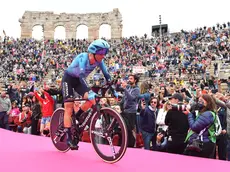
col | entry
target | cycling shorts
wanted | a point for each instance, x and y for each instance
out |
(71, 84)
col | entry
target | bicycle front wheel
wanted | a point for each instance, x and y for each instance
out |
(108, 135)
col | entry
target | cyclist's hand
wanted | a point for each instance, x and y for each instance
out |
(91, 95)
(115, 94)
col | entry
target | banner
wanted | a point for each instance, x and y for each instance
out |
(139, 69)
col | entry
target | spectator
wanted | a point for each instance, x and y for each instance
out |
(148, 121)
(129, 104)
(47, 108)
(204, 125)
(5, 108)
(177, 126)
(14, 114)
(36, 115)
(25, 120)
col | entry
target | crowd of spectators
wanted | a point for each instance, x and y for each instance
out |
(174, 73)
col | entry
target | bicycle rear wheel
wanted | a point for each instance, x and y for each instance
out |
(108, 135)
(57, 134)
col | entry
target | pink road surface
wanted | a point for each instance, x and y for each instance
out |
(26, 153)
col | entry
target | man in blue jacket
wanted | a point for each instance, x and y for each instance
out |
(129, 106)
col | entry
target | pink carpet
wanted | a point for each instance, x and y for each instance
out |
(26, 153)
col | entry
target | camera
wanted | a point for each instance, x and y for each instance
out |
(177, 107)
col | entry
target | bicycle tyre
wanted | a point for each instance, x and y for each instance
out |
(61, 147)
(124, 142)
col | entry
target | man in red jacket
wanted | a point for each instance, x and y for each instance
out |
(47, 107)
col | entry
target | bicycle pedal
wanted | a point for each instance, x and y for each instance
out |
(74, 148)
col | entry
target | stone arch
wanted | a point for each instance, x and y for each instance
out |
(105, 31)
(37, 32)
(60, 32)
(82, 31)
(50, 21)
(56, 24)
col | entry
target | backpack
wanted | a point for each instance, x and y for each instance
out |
(217, 124)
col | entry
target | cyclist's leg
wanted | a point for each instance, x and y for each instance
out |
(68, 112)
(88, 104)
(67, 82)
(68, 95)
(83, 91)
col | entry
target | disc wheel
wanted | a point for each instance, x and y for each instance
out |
(57, 134)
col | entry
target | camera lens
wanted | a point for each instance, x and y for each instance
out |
(179, 107)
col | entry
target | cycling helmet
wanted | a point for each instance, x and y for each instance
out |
(99, 46)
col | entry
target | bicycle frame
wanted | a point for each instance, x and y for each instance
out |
(91, 111)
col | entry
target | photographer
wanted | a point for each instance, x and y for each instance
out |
(201, 137)
(177, 123)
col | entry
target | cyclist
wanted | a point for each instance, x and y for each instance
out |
(75, 78)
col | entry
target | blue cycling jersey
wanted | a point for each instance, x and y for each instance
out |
(80, 67)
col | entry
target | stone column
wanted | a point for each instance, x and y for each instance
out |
(70, 30)
(26, 30)
(116, 31)
(49, 31)
(93, 32)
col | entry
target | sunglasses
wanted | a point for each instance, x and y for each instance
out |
(102, 52)
(153, 102)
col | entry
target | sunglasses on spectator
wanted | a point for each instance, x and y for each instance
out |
(102, 52)
(154, 102)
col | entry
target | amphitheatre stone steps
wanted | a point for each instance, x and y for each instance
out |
(48, 77)
(223, 70)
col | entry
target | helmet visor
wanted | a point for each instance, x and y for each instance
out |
(102, 51)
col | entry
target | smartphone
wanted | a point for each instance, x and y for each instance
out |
(143, 101)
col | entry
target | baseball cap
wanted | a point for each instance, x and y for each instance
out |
(177, 96)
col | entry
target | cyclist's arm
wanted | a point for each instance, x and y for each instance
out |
(82, 77)
(104, 70)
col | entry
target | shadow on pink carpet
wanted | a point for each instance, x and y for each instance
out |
(26, 153)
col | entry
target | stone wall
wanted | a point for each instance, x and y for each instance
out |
(49, 21)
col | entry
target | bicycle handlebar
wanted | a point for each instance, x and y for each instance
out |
(102, 89)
